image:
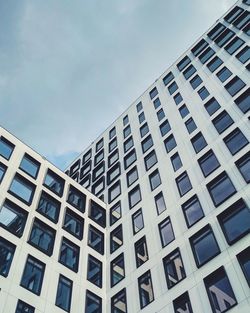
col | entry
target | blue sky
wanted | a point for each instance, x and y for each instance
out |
(69, 68)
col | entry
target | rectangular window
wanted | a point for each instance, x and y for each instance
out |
(99, 157)
(192, 211)
(234, 86)
(94, 271)
(176, 161)
(216, 31)
(182, 304)
(114, 191)
(73, 223)
(147, 143)
(3, 169)
(235, 141)
(155, 180)
(22, 189)
(99, 145)
(206, 55)
(153, 93)
(144, 130)
(119, 302)
(129, 158)
(141, 251)
(244, 260)
(183, 111)
(150, 160)
(76, 198)
(243, 101)
(224, 37)
(54, 183)
(174, 268)
(97, 213)
(69, 255)
(214, 64)
(115, 213)
(128, 144)
(112, 144)
(170, 143)
(113, 157)
(132, 176)
(75, 167)
(137, 221)
(160, 203)
(6, 148)
(166, 232)
(243, 165)
(222, 121)
(134, 196)
(208, 163)
(145, 289)
(113, 173)
(199, 47)
(172, 88)
(157, 103)
(196, 81)
(85, 169)
(244, 55)
(125, 120)
(203, 93)
(224, 74)
(7, 250)
(212, 106)
(190, 125)
(183, 184)
(198, 142)
(189, 71)
(233, 14)
(93, 303)
(141, 117)
(49, 207)
(112, 133)
(165, 128)
(85, 182)
(139, 107)
(87, 156)
(183, 63)
(168, 78)
(234, 45)
(242, 20)
(116, 239)
(33, 273)
(126, 131)
(117, 270)
(178, 98)
(96, 239)
(98, 171)
(160, 115)
(30, 166)
(64, 293)
(23, 307)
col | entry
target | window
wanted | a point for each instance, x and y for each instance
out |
(235, 221)
(87, 156)
(117, 269)
(141, 117)
(99, 157)
(134, 196)
(137, 220)
(183, 183)
(76, 198)
(33, 273)
(244, 55)
(114, 191)
(94, 272)
(214, 64)
(172, 88)
(212, 106)
(235, 141)
(234, 86)
(141, 251)
(73, 169)
(183, 63)
(160, 203)
(203, 93)
(30, 166)
(126, 131)
(170, 143)
(155, 180)
(234, 45)
(22, 189)
(42, 237)
(116, 239)
(244, 260)
(189, 71)
(216, 31)
(242, 20)
(221, 188)
(219, 291)
(206, 55)
(190, 125)
(128, 144)
(182, 304)
(99, 186)
(247, 2)
(23, 307)
(69, 255)
(112, 145)
(132, 176)
(208, 163)
(113, 173)
(224, 74)
(199, 47)
(113, 158)
(165, 128)
(64, 292)
(222, 121)
(243, 101)
(125, 120)
(119, 302)
(73, 223)
(98, 171)
(174, 268)
(150, 160)
(183, 111)
(139, 107)
(196, 81)
(145, 289)
(7, 250)
(147, 143)
(168, 78)
(160, 114)
(198, 142)
(93, 303)
(178, 98)
(54, 183)
(243, 165)
(192, 211)
(115, 213)
(129, 159)
(49, 207)
(75, 176)
(6, 148)
(13, 218)
(99, 145)
(85, 169)
(144, 130)
(3, 169)
(204, 246)
(112, 133)
(176, 161)
(233, 14)
(85, 182)
(157, 103)
(166, 232)
(224, 37)
(96, 239)
(153, 93)
(97, 213)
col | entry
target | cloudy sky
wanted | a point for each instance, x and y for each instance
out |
(68, 68)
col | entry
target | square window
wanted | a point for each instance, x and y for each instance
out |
(96, 239)
(168, 78)
(7, 250)
(112, 145)
(198, 142)
(243, 101)
(206, 55)
(221, 188)
(160, 114)
(178, 98)
(97, 213)
(204, 246)
(141, 117)
(22, 189)
(160, 203)
(125, 120)
(235, 141)
(153, 93)
(192, 211)
(141, 251)
(73, 223)
(54, 183)
(244, 260)
(222, 121)
(234, 45)
(190, 125)
(128, 144)
(93, 303)
(115, 213)
(99, 157)
(114, 191)
(189, 71)
(199, 47)
(132, 176)
(176, 161)
(113, 173)
(183, 63)
(94, 271)
(137, 221)
(234, 86)
(224, 74)
(69, 255)
(64, 293)
(170, 143)
(196, 81)
(139, 107)
(30, 166)
(166, 232)
(157, 103)
(208, 163)
(23, 307)
(126, 131)
(203, 93)
(116, 239)
(117, 270)
(49, 207)
(112, 133)
(243, 165)
(144, 130)
(99, 145)
(134, 196)
(113, 157)
(224, 37)
(155, 180)
(6, 148)
(212, 106)
(146, 291)
(165, 128)
(183, 111)
(76, 198)
(119, 302)
(214, 64)
(183, 183)
(3, 169)
(172, 88)
(244, 55)
(216, 31)
(150, 160)
(182, 304)
(129, 159)
(147, 143)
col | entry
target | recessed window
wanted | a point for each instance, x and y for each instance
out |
(160, 115)
(134, 196)
(243, 101)
(141, 117)
(183, 111)
(174, 268)
(192, 211)
(85, 169)
(113, 158)
(119, 302)
(212, 106)
(204, 246)
(235, 141)
(170, 143)
(242, 20)
(114, 191)
(203, 93)
(64, 293)
(216, 31)
(98, 187)
(54, 183)
(112, 145)
(214, 64)
(178, 98)
(234, 45)
(222, 121)
(99, 157)
(144, 130)
(166, 232)
(224, 37)
(206, 55)
(117, 270)
(183, 63)
(168, 78)
(198, 142)
(150, 160)
(141, 251)
(137, 221)
(182, 304)
(190, 125)
(234, 86)
(87, 156)
(244, 55)
(172, 88)
(99, 145)
(145, 289)
(160, 203)
(243, 165)
(157, 103)
(183, 184)
(153, 93)
(97, 213)
(93, 303)
(96, 239)
(23, 307)
(244, 260)
(128, 144)
(76, 198)
(73, 169)
(113, 173)
(224, 74)
(199, 47)
(69, 255)
(189, 72)
(6, 148)
(98, 171)
(115, 213)
(116, 239)
(112, 133)
(94, 271)
(73, 223)
(139, 107)
(3, 169)
(176, 161)
(29, 165)
(165, 128)
(208, 163)
(7, 250)
(235, 221)
(196, 81)
(247, 2)
(147, 143)
(233, 14)
(22, 189)
(155, 180)
(33, 273)
(219, 291)
(129, 159)
(125, 120)
(49, 207)
(85, 182)
(221, 188)
(132, 176)
(126, 131)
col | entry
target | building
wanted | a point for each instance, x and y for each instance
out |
(173, 172)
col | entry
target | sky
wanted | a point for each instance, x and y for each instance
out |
(69, 68)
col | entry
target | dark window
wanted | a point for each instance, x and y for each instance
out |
(13, 218)
(182, 304)
(174, 268)
(6, 148)
(125, 120)
(99, 145)
(117, 270)
(87, 156)
(114, 191)
(204, 246)
(73, 169)
(7, 250)
(99, 157)
(170, 143)
(244, 55)
(22, 189)
(150, 160)
(178, 98)
(198, 142)
(234, 86)
(166, 232)
(233, 14)
(172, 88)
(222, 121)
(235, 221)
(203, 93)
(137, 221)
(75, 176)
(141, 251)
(160, 114)
(139, 107)
(132, 176)
(128, 144)
(94, 271)
(112, 145)
(208, 163)
(69, 255)
(165, 128)
(196, 81)
(199, 47)
(134, 196)
(119, 302)
(189, 71)
(183, 111)
(190, 125)
(168, 78)
(224, 37)
(85, 169)
(155, 180)
(221, 188)
(242, 20)
(212, 106)
(214, 64)
(126, 131)
(224, 74)
(64, 293)
(54, 183)
(183, 63)
(85, 182)
(146, 291)
(96, 239)
(157, 103)
(3, 169)
(49, 207)
(23, 307)
(113, 158)
(243, 101)
(30, 166)
(176, 161)
(76, 198)
(192, 211)
(115, 213)
(153, 93)
(98, 171)
(112, 133)
(147, 143)
(183, 183)
(141, 117)
(97, 213)
(220, 292)
(129, 158)
(234, 45)
(113, 173)
(99, 186)
(244, 260)
(235, 141)
(160, 203)
(144, 130)
(33, 273)
(73, 223)
(93, 303)
(206, 55)
(216, 31)
(247, 2)
(243, 165)
(116, 239)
